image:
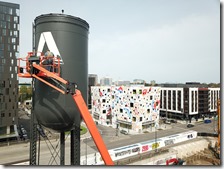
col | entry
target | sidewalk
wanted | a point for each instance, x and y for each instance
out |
(87, 135)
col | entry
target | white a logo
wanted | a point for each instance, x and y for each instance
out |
(48, 38)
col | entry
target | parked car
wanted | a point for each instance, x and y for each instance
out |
(41, 131)
(190, 125)
(207, 121)
(167, 122)
(25, 137)
(124, 132)
(173, 121)
(23, 131)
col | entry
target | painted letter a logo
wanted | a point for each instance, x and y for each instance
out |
(46, 37)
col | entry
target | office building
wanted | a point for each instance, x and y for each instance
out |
(92, 81)
(106, 81)
(187, 101)
(9, 51)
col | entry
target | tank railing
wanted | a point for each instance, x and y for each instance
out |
(54, 67)
(20, 67)
(24, 70)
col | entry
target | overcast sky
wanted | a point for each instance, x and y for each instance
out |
(162, 40)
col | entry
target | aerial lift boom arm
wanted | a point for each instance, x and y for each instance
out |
(71, 88)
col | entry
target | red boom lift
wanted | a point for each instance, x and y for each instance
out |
(35, 69)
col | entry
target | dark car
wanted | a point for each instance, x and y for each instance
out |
(207, 121)
(173, 121)
(190, 125)
(124, 132)
(41, 131)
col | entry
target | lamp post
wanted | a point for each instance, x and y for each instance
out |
(155, 137)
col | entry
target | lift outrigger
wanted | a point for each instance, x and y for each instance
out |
(34, 68)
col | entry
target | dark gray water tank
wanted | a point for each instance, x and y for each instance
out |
(69, 35)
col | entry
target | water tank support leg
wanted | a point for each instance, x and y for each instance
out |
(62, 145)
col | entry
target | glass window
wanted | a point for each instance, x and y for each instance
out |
(13, 40)
(17, 54)
(1, 46)
(1, 54)
(14, 26)
(17, 12)
(2, 17)
(10, 11)
(9, 25)
(4, 32)
(10, 33)
(15, 19)
(7, 18)
(15, 33)
(3, 24)
(4, 9)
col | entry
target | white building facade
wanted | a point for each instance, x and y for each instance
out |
(214, 95)
(133, 108)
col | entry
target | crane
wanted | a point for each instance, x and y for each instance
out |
(35, 69)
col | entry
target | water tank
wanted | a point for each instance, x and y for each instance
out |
(66, 36)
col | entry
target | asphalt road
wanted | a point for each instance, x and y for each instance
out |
(10, 154)
(113, 141)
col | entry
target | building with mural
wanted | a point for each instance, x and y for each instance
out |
(132, 108)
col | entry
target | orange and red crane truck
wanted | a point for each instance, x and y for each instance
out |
(35, 69)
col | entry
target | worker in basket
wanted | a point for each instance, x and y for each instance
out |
(48, 60)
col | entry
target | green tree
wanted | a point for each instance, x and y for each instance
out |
(25, 93)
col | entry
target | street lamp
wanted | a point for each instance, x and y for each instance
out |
(86, 150)
(155, 138)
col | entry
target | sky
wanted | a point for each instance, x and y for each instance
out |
(169, 41)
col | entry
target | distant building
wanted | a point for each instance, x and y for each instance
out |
(134, 109)
(122, 83)
(138, 81)
(92, 81)
(106, 81)
(214, 95)
(9, 51)
(185, 101)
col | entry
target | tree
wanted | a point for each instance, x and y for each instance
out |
(25, 93)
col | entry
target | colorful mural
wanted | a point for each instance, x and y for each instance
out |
(131, 104)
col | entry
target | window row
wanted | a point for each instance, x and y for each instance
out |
(8, 10)
(8, 47)
(6, 32)
(4, 54)
(9, 25)
(8, 40)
